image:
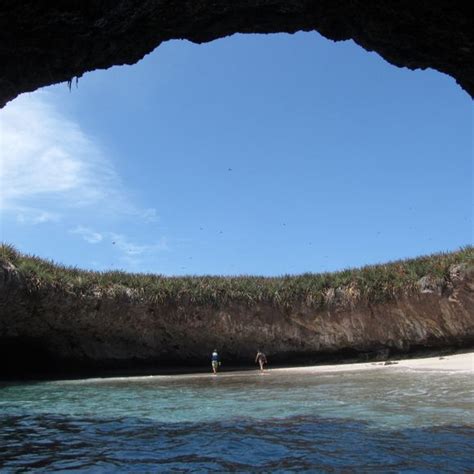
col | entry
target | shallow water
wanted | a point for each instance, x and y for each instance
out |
(390, 420)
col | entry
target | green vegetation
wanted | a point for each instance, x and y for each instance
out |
(375, 283)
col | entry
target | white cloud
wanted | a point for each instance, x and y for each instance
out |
(48, 161)
(149, 215)
(35, 216)
(87, 234)
(46, 155)
(51, 171)
(132, 249)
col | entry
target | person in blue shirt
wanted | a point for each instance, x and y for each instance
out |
(215, 361)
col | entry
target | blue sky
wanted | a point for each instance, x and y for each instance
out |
(255, 154)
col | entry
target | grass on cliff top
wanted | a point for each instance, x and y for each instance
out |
(374, 283)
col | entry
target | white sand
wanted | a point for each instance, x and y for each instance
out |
(456, 363)
(460, 363)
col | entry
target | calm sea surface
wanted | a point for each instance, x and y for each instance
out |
(383, 420)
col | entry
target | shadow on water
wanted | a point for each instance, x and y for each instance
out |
(47, 442)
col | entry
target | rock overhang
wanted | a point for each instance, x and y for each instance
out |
(44, 43)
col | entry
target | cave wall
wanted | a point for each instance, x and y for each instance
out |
(46, 42)
(57, 327)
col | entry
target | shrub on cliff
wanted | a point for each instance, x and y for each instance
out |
(373, 283)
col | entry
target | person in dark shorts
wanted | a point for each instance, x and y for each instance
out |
(261, 358)
(215, 361)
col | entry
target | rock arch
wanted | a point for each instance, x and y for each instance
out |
(47, 42)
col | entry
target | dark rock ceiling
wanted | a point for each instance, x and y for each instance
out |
(46, 42)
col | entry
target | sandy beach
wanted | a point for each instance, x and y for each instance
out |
(456, 363)
(459, 363)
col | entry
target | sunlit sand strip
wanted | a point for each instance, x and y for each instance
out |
(452, 363)
(457, 363)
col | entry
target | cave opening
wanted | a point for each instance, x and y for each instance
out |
(254, 154)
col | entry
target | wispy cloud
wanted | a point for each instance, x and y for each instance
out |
(87, 234)
(49, 162)
(53, 172)
(46, 155)
(133, 249)
(131, 254)
(149, 215)
(35, 216)
(120, 241)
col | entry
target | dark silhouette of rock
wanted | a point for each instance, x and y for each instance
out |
(44, 43)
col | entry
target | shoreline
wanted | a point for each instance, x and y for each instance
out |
(94, 324)
(450, 363)
(456, 363)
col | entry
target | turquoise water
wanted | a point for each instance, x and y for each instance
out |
(389, 420)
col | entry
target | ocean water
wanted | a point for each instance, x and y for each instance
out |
(388, 420)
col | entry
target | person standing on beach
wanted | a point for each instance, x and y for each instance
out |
(215, 362)
(261, 358)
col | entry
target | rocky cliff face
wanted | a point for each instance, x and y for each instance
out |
(44, 43)
(56, 328)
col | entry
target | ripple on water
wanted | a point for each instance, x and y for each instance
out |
(50, 442)
(359, 421)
